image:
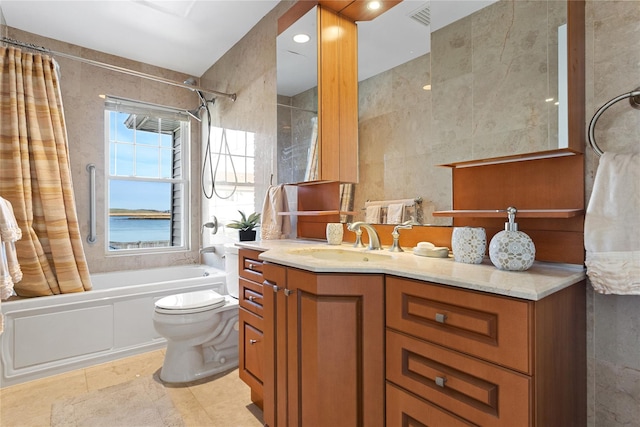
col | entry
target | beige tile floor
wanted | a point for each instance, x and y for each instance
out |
(222, 401)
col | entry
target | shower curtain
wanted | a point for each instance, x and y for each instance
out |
(35, 176)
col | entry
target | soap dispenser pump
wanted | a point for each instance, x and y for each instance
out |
(511, 249)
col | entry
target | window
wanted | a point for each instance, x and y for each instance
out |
(231, 161)
(147, 177)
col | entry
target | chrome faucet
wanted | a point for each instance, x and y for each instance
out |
(395, 247)
(374, 239)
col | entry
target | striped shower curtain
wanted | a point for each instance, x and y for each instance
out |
(35, 176)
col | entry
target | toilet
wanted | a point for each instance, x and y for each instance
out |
(201, 329)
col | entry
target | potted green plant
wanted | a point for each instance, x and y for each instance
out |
(246, 226)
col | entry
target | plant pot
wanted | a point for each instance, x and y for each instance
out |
(247, 235)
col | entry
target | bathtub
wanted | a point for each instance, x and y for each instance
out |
(54, 334)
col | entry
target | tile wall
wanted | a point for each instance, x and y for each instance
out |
(613, 68)
(249, 70)
(84, 111)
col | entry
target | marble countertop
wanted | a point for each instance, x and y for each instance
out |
(540, 280)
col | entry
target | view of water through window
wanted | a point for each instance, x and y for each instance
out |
(145, 184)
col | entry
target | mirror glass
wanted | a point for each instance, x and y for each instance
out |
(297, 68)
(443, 82)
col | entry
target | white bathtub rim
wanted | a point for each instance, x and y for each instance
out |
(59, 300)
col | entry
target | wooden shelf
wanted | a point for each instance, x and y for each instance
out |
(315, 213)
(502, 213)
(561, 152)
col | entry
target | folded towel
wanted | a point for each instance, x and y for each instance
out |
(612, 228)
(395, 213)
(372, 214)
(274, 226)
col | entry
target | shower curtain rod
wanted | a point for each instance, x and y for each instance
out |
(41, 49)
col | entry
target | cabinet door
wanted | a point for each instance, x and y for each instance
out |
(250, 266)
(491, 327)
(251, 369)
(275, 327)
(477, 391)
(406, 410)
(251, 296)
(335, 349)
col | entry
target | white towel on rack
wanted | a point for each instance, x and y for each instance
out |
(395, 213)
(612, 226)
(273, 225)
(372, 214)
(9, 230)
(10, 272)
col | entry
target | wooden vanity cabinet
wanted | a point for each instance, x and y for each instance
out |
(324, 348)
(251, 323)
(472, 358)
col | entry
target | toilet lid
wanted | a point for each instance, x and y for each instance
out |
(191, 300)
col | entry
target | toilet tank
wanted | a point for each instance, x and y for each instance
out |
(231, 268)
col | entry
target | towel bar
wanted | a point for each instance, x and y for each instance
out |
(634, 100)
(386, 203)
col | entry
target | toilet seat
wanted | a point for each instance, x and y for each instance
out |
(190, 302)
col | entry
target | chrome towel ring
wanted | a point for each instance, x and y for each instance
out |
(634, 100)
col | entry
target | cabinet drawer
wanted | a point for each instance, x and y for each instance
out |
(251, 363)
(477, 391)
(490, 327)
(251, 296)
(250, 265)
(405, 409)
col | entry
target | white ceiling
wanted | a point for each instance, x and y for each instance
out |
(181, 35)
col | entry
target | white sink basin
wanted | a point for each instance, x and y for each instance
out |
(341, 255)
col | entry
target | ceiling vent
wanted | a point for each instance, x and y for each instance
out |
(422, 15)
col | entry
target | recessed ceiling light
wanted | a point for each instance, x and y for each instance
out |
(426, 87)
(301, 38)
(374, 5)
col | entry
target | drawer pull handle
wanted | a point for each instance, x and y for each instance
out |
(275, 288)
(252, 342)
(440, 318)
(288, 292)
(251, 298)
(440, 381)
(250, 266)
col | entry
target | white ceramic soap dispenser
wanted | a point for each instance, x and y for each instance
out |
(511, 249)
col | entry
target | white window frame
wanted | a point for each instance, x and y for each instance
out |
(130, 106)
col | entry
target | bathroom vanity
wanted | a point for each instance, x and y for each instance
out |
(251, 323)
(374, 338)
